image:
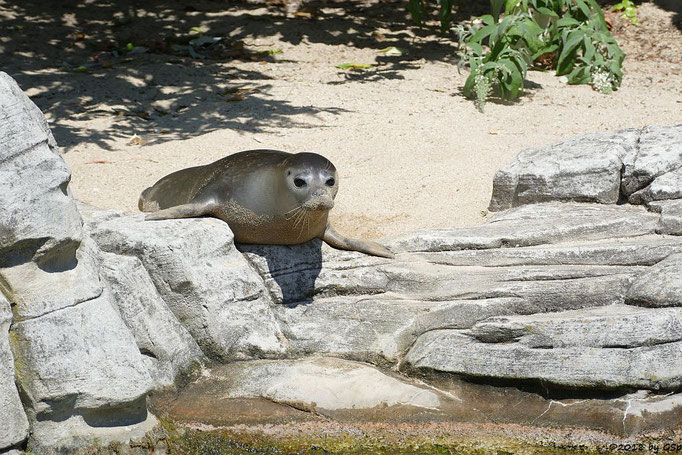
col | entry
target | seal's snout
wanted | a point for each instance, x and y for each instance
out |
(319, 200)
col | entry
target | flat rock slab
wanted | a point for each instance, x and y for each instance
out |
(319, 389)
(319, 386)
(647, 367)
(536, 224)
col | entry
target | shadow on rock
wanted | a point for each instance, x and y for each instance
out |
(289, 271)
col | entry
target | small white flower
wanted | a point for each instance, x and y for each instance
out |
(602, 81)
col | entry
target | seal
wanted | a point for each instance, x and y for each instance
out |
(265, 196)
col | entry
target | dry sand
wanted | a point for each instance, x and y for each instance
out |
(412, 153)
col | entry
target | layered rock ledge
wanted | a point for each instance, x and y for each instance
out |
(568, 301)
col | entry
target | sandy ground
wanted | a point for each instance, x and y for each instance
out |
(412, 153)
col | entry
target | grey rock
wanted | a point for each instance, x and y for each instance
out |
(79, 358)
(319, 384)
(36, 291)
(664, 187)
(661, 286)
(14, 428)
(405, 278)
(586, 169)
(97, 427)
(377, 330)
(373, 310)
(671, 216)
(535, 225)
(656, 367)
(38, 217)
(167, 346)
(660, 152)
(642, 251)
(605, 327)
(208, 285)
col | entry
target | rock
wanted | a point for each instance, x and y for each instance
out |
(315, 384)
(666, 186)
(318, 389)
(586, 169)
(647, 367)
(38, 216)
(166, 345)
(100, 427)
(65, 356)
(208, 285)
(36, 292)
(373, 309)
(671, 216)
(660, 286)
(536, 224)
(604, 327)
(644, 250)
(659, 152)
(14, 428)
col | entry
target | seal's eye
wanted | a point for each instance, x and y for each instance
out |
(300, 183)
(330, 182)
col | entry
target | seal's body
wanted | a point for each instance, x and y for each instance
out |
(265, 196)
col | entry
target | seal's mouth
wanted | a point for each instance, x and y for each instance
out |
(319, 203)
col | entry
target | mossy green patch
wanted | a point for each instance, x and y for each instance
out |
(218, 442)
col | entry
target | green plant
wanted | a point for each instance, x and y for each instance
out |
(418, 11)
(503, 67)
(570, 36)
(629, 11)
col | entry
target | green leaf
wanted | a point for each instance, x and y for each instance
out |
(510, 5)
(579, 75)
(445, 14)
(476, 48)
(483, 33)
(469, 84)
(544, 50)
(269, 52)
(515, 85)
(353, 66)
(546, 12)
(584, 8)
(567, 56)
(567, 22)
(496, 8)
(416, 9)
(590, 50)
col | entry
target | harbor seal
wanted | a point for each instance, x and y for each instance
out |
(265, 196)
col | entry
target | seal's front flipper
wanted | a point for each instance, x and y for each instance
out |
(190, 210)
(336, 240)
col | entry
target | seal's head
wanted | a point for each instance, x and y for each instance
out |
(312, 179)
